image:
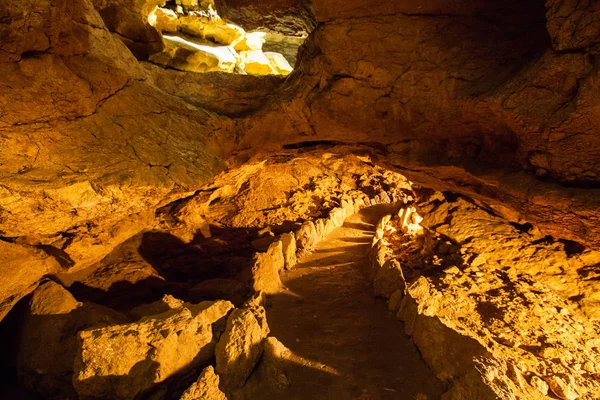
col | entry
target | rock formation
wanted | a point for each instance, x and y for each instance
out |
(161, 164)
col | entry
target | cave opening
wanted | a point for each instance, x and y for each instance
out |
(197, 39)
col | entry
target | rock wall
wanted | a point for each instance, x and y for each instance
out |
(491, 306)
(89, 147)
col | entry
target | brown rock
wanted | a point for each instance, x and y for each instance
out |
(48, 342)
(288, 243)
(266, 268)
(562, 387)
(22, 268)
(165, 20)
(239, 349)
(149, 351)
(389, 278)
(306, 236)
(205, 388)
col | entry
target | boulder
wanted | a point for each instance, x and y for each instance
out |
(251, 41)
(306, 236)
(48, 341)
(269, 378)
(337, 216)
(22, 268)
(239, 349)
(214, 29)
(165, 20)
(187, 56)
(205, 388)
(388, 279)
(256, 63)
(266, 268)
(123, 361)
(288, 242)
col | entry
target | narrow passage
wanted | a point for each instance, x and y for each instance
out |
(350, 345)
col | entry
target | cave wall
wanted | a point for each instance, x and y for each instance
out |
(497, 98)
(89, 147)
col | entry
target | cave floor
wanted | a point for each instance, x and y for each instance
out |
(346, 344)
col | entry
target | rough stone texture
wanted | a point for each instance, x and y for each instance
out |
(239, 349)
(306, 236)
(290, 17)
(124, 360)
(89, 148)
(205, 388)
(269, 378)
(498, 298)
(470, 85)
(222, 93)
(22, 268)
(266, 268)
(288, 242)
(128, 20)
(48, 341)
(389, 279)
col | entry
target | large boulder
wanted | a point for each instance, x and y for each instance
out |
(211, 28)
(123, 361)
(48, 340)
(192, 57)
(239, 348)
(256, 63)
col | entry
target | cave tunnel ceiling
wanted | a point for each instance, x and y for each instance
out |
(119, 125)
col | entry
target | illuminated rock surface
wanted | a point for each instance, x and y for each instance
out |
(142, 170)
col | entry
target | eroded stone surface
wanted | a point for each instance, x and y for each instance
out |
(239, 349)
(205, 388)
(124, 360)
(500, 299)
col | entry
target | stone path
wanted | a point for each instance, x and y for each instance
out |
(351, 347)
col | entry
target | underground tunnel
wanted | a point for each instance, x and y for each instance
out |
(299, 199)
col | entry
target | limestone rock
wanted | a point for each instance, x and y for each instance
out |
(389, 278)
(205, 388)
(252, 41)
(187, 56)
(269, 378)
(165, 20)
(256, 63)
(239, 349)
(22, 268)
(539, 384)
(48, 342)
(123, 361)
(266, 268)
(288, 242)
(306, 236)
(224, 94)
(212, 28)
(279, 64)
(129, 21)
(165, 304)
(562, 387)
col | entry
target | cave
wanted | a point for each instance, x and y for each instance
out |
(299, 199)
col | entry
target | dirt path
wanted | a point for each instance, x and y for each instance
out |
(351, 347)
